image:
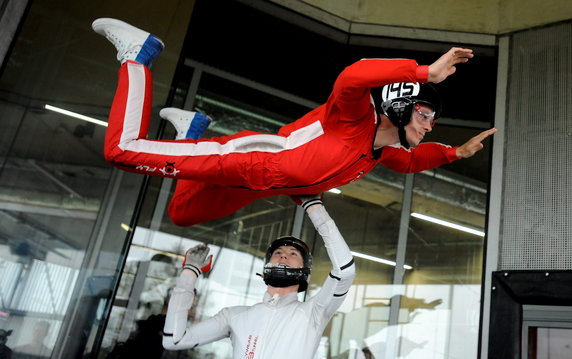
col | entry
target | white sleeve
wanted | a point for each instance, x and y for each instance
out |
(332, 294)
(176, 334)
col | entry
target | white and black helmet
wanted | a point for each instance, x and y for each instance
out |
(283, 276)
(397, 100)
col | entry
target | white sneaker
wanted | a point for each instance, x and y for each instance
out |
(131, 43)
(189, 124)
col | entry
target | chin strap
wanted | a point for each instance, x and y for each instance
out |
(402, 137)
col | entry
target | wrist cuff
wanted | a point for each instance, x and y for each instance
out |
(192, 268)
(422, 73)
(451, 154)
(310, 203)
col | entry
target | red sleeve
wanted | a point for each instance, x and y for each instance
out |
(351, 89)
(424, 157)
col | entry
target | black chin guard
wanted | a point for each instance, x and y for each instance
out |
(282, 276)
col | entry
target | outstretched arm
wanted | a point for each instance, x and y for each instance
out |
(352, 87)
(176, 334)
(340, 279)
(430, 155)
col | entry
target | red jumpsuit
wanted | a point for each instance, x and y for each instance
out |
(329, 147)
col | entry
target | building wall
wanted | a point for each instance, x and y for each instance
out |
(536, 222)
(521, 15)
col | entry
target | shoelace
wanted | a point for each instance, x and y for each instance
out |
(123, 50)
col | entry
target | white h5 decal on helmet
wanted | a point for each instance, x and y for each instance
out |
(398, 90)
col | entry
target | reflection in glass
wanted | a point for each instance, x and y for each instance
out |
(52, 179)
(155, 260)
(549, 343)
(53, 182)
(359, 325)
(441, 294)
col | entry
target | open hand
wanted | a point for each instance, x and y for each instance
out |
(198, 260)
(475, 144)
(445, 65)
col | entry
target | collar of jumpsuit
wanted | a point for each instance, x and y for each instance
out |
(279, 301)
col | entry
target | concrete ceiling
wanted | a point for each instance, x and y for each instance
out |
(492, 17)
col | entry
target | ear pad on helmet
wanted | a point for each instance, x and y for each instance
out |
(398, 110)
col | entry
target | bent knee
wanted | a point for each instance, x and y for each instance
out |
(112, 153)
(118, 158)
(109, 157)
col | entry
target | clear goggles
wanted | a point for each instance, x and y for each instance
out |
(425, 115)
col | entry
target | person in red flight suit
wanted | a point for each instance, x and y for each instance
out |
(378, 112)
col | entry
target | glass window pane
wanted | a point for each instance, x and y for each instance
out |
(442, 290)
(54, 180)
(52, 177)
(370, 226)
(550, 343)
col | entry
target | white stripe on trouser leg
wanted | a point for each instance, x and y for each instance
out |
(134, 105)
(259, 143)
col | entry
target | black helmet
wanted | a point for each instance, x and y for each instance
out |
(283, 276)
(396, 101)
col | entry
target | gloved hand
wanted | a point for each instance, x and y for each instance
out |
(307, 200)
(198, 260)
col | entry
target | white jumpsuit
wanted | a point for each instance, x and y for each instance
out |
(278, 327)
